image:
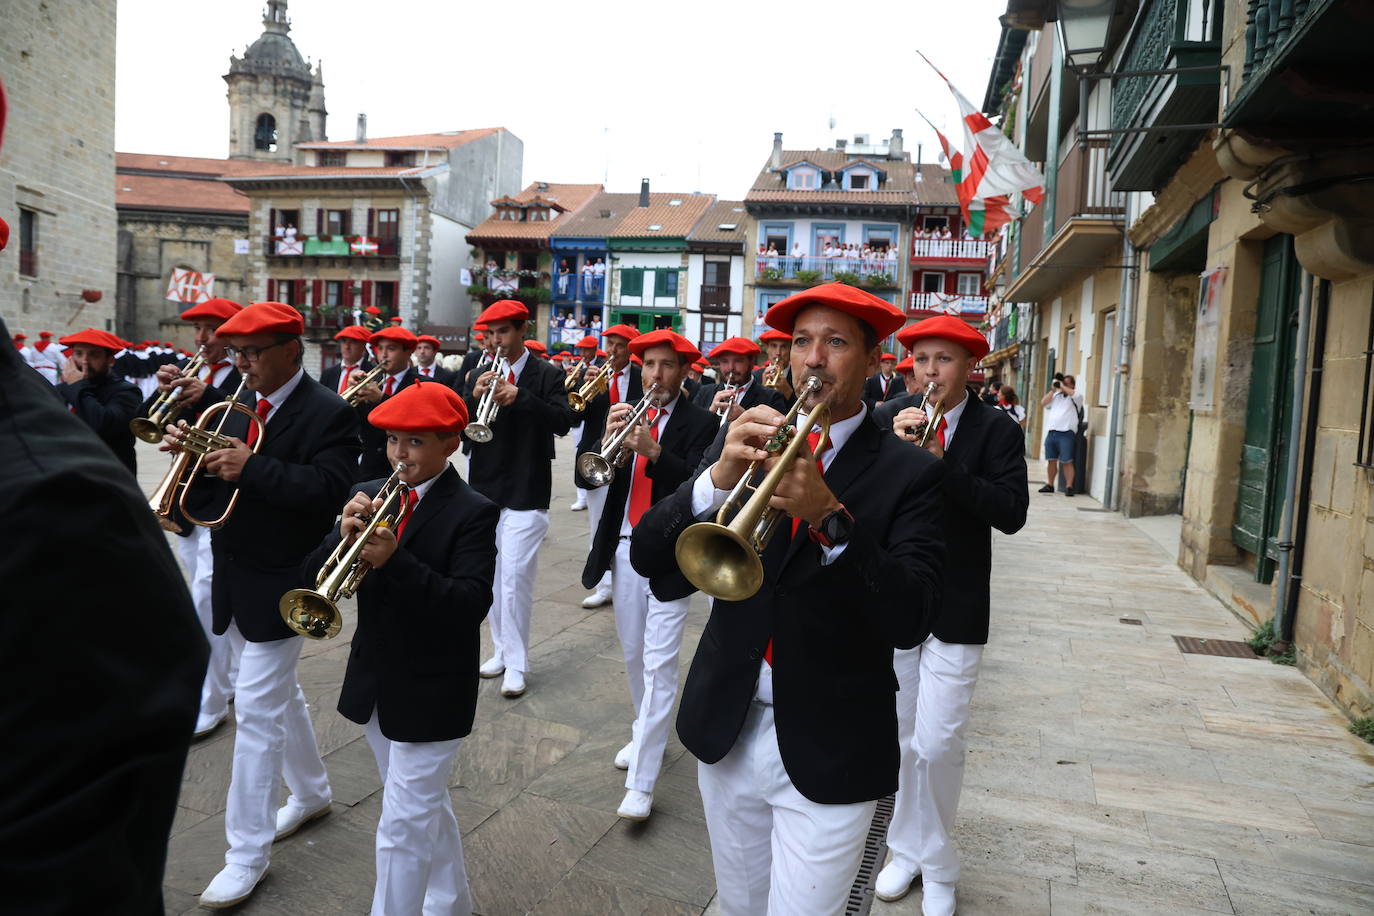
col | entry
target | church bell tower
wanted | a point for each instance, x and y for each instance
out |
(276, 99)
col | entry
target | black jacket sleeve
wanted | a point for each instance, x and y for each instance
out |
(325, 481)
(464, 584)
(999, 495)
(107, 419)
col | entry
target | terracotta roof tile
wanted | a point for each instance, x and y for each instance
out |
(936, 187)
(260, 170)
(443, 140)
(155, 162)
(152, 192)
(590, 221)
(570, 197)
(771, 186)
(722, 212)
(673, 214)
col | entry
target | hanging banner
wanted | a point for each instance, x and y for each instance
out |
(1205, 339)
(190, 286)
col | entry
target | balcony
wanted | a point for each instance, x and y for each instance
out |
(968, 250)
(876, 273)
(330, 246)
(715, 299)
(924, 304)
(579, 288)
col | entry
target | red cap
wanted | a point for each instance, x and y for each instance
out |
(907, 365)
(504, 310)
(701, 365)
(946, 327)
(535, 346)
(887, 356)
(479, 326)
(422, 408)
(664, 337)
(621, 330)
(46, 335)
(741, 346)
(406, 338)
(395, 319)
(21, 337)
(589, 342)
(91, 338)
(263, 318)
(4, 234)
(774, 334)
(882, 316)
(212, 309)
(429, 339)
(354, 332)
(372, 310)
(601, 353)
(559, 356)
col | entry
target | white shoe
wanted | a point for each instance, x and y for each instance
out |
(937, 899)
(492, 667)
(636, 805)
(234, 884)
(578, 506)
(206, 724)
(291, 818)
(513, 684)
(894, 881)
(596, 599)
(622, 757)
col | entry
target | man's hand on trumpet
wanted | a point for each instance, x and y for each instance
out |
(909, 424)
(638, 440)
(802, 492)
(227, 463)
(356, 514)
(744, 442)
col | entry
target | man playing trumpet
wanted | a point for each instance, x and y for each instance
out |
(353, 361)
(789, 705)
(393, 347)
(737, 390)
(412, 672)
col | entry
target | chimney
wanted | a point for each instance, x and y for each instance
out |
(776, 161)
(644, 192)
(362, 128)
(841, 144)
(894, 146)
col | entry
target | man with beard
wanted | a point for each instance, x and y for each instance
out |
(104, 403)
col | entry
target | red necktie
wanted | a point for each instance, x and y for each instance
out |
(940, 432)
(511, 377)
(426, 370)
(412, 498)
(812, 438)
(641, 488)
(215, 367)
(344, 373)
(615, 396)
(264, 408)
(390, 386)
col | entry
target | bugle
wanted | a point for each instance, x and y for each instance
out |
(314, 612)
(934, 414)
(774, 374)
(168, 404)
(370, 377)
(599, 382)
(201, 440)
(479, 430)
(725, 559)
(599, 467)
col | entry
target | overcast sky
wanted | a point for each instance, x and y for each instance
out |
(685, 94)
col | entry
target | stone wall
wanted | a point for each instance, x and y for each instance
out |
(57, 58)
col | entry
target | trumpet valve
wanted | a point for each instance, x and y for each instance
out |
(203, 441)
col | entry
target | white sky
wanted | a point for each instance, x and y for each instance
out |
(685, 94)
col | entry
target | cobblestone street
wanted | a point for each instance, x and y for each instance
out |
(1108, 772)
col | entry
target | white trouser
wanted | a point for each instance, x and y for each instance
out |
(650, 634)
(774, 850)
(419, 847)
(937, 680)
(274, 739)
(596, 503)
(518, 536)
(199, 561)
(575, 436)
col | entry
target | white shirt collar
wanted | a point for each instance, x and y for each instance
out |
(278, 397)
(952, 419)
(519, 365)
(840, 431)
(422, 488)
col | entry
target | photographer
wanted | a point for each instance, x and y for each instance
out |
(1063, 412)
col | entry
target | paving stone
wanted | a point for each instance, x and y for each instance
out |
(1258, 891)
(579, 895)
(664, 855)
(1167, 878)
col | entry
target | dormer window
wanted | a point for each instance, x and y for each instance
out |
(331, 157)
(803, 178)
(399, 158)
(858, 182)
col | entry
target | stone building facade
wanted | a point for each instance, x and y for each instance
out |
(57, 165)
(276, 99)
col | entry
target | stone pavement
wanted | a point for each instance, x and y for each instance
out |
(1107, 772)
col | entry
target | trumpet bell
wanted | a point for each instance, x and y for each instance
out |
(719, 561)
(576, 401)
(596, 469)
(310, 614)
(478, 432)
(146, 429)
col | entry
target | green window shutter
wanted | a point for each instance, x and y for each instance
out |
(661, 282)
(632, 281)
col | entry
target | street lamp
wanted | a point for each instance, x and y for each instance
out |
(1083, 28)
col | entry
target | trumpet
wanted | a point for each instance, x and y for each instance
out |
(198, 441)
(370, 377)
(575, 375)
(725, 560)
(479, 430)
(934, 414)
(724, 412)
(314, 612)
(599, 467)
(164, 410)
(774, 375)
(599, 382)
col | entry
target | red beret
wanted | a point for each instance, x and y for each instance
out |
(946, 327)
(589, 342)
(90, 338)
(4, 234)
(772, 334)
(479, 336)
(211, 309)
(887, 356)
(395, 319)
(21, 337)
(907, 365)
(354, 332)
(372, 310)
(559, 356)
(400, 334)
(535, 346)
(701, 365)
(479, 326)
(636, 360)
(664, 337)
(601, 353)
(263, 318)
(621, 330)
(741, 346)
(504, 310)
(882, 316)
(429, 339)
(46, 335)
(421, 408)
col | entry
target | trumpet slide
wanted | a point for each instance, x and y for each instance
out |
(165, 408)
(479, 430)
(599, 467)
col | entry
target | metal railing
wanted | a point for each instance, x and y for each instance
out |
(953, 249)
(578, 287)
(334, 246)
(870, 271)
(949, 303)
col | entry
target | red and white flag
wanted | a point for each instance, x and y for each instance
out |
(190, 286)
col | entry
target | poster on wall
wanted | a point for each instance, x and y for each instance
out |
(1205, 339)
(190, 286)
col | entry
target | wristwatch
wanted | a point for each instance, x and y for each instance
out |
(834, 529)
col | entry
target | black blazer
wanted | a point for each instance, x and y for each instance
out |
(329, 378)
(101, 696)
(873, 389)
(374, 462)
(415, 653)
(513, 470)
(985, 488)
(441, 375)
(289, 495)
(594, 418)
(107, 405)
(688, 433)
(755, 394)
(833, 627)
(692, 386)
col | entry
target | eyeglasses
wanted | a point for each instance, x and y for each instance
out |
(252, 354)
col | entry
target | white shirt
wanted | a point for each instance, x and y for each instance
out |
(1061, 414)
(397, 377)
(952, 419)
(426, 371)
(797, 250)
(661, 423)
(519, 365)
(216, 378)
(278, 397)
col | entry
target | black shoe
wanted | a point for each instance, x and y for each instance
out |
(1047, 488)
(1069, 491)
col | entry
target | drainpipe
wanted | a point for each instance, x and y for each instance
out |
(1296, 451)
(1125, 324)
(1291, 584)
(415, 316)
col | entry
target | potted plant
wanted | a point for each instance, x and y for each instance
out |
(848, 277)
(771, 273)
(879, 280)
(808, 277)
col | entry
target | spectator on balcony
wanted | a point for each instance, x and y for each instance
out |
(891, 253)
(595, 327)
(797, 255)
(772, 255)
(564, 275)
(598, 277)
(588, 277)
(761, 261)
(829, 250)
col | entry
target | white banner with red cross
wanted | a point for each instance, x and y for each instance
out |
(190, 286)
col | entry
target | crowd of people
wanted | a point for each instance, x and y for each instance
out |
(593, 278)
(832, 258)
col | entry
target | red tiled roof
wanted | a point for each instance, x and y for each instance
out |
(936, 186)
(265, 170)
(723, 212)
(771, 186)
(569, 197)
(155, 162)
(154, 192)
(589, 221)
(444, 140)
(673, 214)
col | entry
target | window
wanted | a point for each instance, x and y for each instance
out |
(826, 235)
(1108, 360)
(665, 283)
(879, 239)
(932, 282)
(934, 222)
(779, 235)
(717, 273)
(384, 295)
(970, 284)
(1364, 456)
(1070, 350)
(281, 219)
(331, 157)
(285, 291)
(712, 333)
(265, 133)
(388, 224)
(803, 180)
(28, 243)
(336, 222)
(858, 182)
(632, 281)
(333, 292)
(395, 158)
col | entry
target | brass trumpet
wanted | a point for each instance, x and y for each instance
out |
(575, 376)
(724, 412)
(726, 560)
(599, 382)
(479, 430)
(370, 377)
(199, 441)
(314, 612)
(164, 410)
(934, 414)
(774, 375)
(599, 467)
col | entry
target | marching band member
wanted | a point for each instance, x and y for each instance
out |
(412, 684)
(625, 385)
(288, 496)
(789, 704)
(736, 356)
(427, 350)
(21, 344)
(513, 470)
(692, 383)
(883, 384)
(352, 359)
(216, 381)
(777, 346)
(666, 449)
(392, 346)
(537, 348)
(104, 403)
(481, 349)
(47, 359)
(373, 322)
(983, 451)
(586, 359)
(907, 370)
